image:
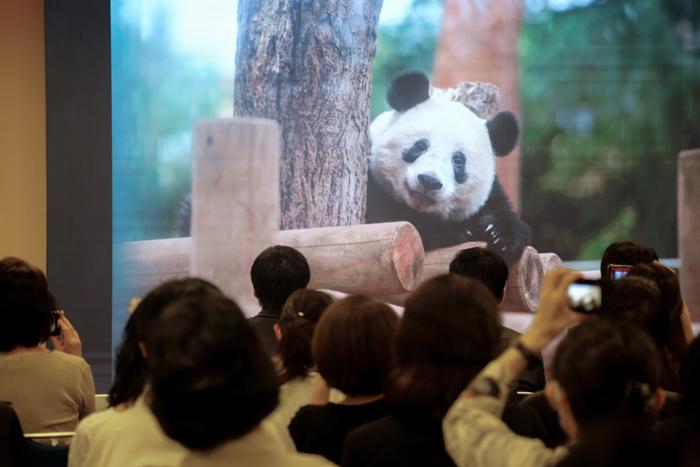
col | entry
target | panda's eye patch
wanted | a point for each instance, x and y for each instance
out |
(458, 163)
(415, 151)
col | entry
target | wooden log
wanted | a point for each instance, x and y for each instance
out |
(235, 201)
(688, 228)
(524, 278)
(550, 262)
(524, 282)
(376, 259)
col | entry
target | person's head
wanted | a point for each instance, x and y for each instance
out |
(299, 317)
(211, 379)
(131, 368)
(667, 282)
(634, 299)
(276, 273)
(449, 331)
(483, 265)
(604, 371)
(353, 345)
(626, 252)
(26, 305)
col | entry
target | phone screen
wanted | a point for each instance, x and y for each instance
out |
(585, 296)
(618, 271)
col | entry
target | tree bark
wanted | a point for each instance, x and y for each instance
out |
(478, 42)
(307, 64)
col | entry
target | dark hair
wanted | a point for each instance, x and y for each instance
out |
(276, 273)
(634, 299)
(211, 379)
(26, 305)
(626, 252)
(300, 313)
(131, 368)
(449, 331)
(483, 265)
(353, 345)
(637, 300)
(609, 371)
(669, 287)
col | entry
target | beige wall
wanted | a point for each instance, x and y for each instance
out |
(22, 131)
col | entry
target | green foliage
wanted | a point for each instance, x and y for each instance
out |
(609, 96)
(408, 45)
(157, 95)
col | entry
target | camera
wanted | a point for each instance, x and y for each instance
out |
(585, 296)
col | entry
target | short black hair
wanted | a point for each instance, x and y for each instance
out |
(607, 371)
(449, 331)
(276, 273)
(353, 345)
(131, 368)
(626, 252)
(26, 304)
(483, 265)
(211, 379)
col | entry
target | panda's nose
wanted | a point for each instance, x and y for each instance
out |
(429, 182)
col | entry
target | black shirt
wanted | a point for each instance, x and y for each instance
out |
(321, 429)
(405, 441)
(263, 324)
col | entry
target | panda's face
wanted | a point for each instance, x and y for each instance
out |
(435, 157)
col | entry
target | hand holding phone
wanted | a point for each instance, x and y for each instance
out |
(585, 296)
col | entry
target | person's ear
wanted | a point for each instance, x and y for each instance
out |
(142, 349)
(553, 394)
(278, 331)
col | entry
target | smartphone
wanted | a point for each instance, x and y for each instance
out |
(55, 328)
(618, 271)
(585, 296)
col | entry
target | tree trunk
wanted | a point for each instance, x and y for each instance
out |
(307, 64)
(478, 42)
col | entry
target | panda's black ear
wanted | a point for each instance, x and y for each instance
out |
(504, 131)
(408, 90)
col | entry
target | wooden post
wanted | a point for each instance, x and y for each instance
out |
(689, 228)
(235, 201)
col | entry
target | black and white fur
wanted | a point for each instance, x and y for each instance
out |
(432, 163)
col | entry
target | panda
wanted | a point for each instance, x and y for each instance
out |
(432, 163)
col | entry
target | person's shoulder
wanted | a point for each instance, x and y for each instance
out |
(307, 460)
(66, 360)
(95, 420)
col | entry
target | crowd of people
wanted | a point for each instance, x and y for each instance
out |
(315, 380)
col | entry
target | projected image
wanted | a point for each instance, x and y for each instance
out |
(601, 97)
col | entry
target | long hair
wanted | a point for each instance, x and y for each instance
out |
(131, 368)
(300, 313)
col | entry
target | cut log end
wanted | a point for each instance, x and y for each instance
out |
(408, 256)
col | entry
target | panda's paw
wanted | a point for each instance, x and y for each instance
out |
(506, 236)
